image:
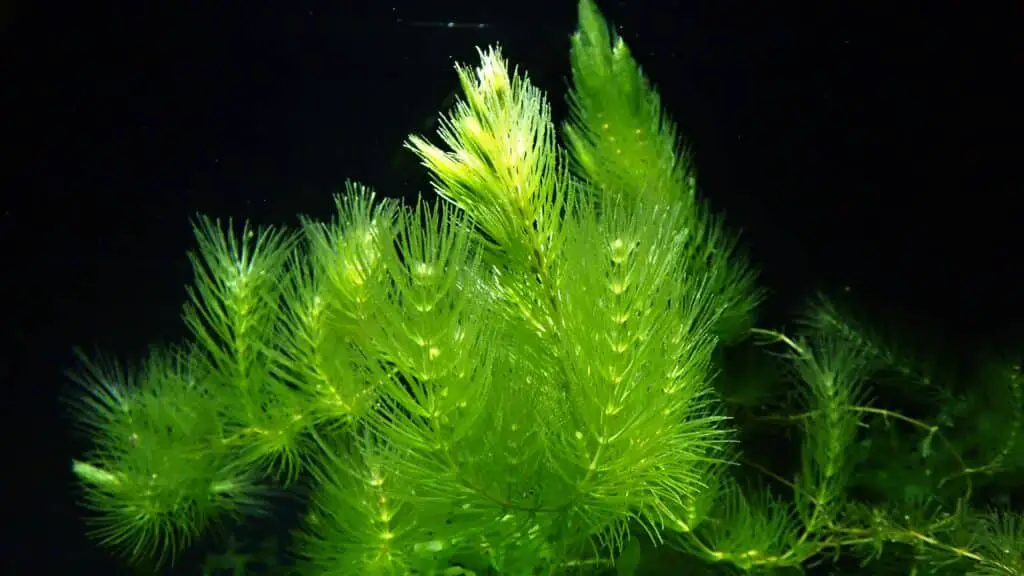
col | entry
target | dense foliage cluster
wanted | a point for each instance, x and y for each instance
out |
(538, 375)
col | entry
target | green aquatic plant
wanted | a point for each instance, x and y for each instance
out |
(536, 375)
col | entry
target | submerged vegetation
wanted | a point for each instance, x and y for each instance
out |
(541, 374)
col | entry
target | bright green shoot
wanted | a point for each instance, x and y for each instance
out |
(532, 375)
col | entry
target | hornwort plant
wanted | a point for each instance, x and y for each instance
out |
(536, 375)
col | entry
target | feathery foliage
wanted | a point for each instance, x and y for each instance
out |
(531, 376)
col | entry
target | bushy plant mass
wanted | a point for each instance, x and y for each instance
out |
(537, 374)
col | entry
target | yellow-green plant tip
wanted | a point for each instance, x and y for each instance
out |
(502, 167)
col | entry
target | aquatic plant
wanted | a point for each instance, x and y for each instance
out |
(536, 375)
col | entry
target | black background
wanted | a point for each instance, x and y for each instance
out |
(870, 145)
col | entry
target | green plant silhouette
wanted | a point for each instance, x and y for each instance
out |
(555, 369)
